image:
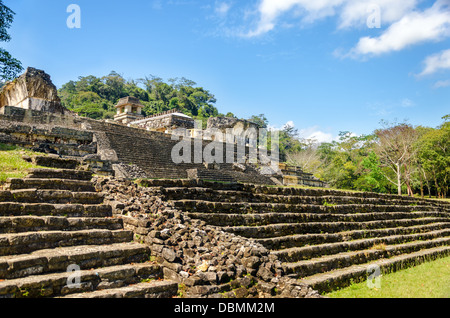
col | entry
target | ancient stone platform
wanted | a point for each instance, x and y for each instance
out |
(323, 238)
(54, 219)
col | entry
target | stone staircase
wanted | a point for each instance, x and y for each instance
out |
(152, 152)
(58, 239)
(209, 174)
(325, 238)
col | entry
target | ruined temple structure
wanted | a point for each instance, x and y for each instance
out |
(129, 109)
(166, 122)
(32, 90)
(106, 201)
(131, 145)
(242, 131)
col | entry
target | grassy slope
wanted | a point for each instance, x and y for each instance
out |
(428, 280)
(11, 163)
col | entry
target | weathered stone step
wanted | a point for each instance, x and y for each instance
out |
(342, 199)
(51, 196)
(205, 174)
(67, 174)
(59, 259)
(230, 207)
(21, 243)
(52, 161)
(183, 183)
(297, 191)
(226, 219)
(341, 278)
(331, 262)
(276, 230)
(19, 224)
(299, 240)
(53, 184)
(63, 283)
(53, 209)
(207, 194)
(152, 289)
(175, 189)
(303, 253)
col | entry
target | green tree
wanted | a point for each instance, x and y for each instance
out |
(395, 148)
(156, 95)
(372, 178)
(343, 162)
(260, 120)
(308, 158)
(9, 66)
(113, 87)
(434, 156)
(288, 141)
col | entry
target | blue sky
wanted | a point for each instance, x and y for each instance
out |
(325, 66)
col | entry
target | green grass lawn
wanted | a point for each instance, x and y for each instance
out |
(431, 198)
(12, 165)
(428, 280)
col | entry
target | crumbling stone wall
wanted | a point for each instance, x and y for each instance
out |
(204, 260)
(48, 138)
(36, 117)
(169, 121)
(32, 90)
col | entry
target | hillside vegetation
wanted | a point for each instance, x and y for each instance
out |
(96, 97)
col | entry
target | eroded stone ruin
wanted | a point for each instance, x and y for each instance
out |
(32, 90)
(186, 230)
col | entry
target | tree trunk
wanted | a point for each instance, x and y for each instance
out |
(399, 179)
(444, 188)
(427, 182)
(438, 192)
(422, 195)
(408, 187)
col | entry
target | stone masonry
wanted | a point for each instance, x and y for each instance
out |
(54, 225)
(32, 90)
(288, 237)
(184, 230)
(205, 260)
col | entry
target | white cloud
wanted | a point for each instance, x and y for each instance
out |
(406, 24)
(316, 134)
(290, 124)
(432, 24)
(356, 12)
(389, 107)
(441, 84)
(436, 62)
(222, 8)
(270, 10)
(313, 133)
(321, 137)
(351, 13)
(406, 102)
(157, 5)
